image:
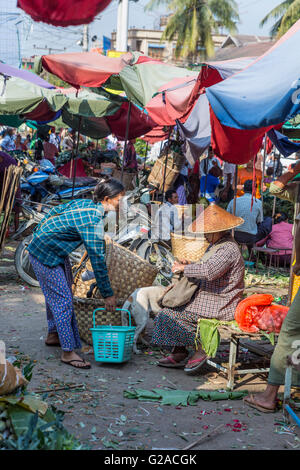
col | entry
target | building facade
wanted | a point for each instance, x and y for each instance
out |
(149, 43)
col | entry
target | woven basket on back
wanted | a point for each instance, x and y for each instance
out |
(126, 271)
(84, 309)
(188, 248)
(175, 162)
(129, 179)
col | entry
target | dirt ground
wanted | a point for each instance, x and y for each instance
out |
(96, 411)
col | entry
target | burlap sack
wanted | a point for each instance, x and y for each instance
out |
(10, 378)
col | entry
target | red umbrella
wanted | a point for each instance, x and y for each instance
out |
(88, 69)
(63, 12)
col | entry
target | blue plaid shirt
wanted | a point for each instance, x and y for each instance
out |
(62, 231)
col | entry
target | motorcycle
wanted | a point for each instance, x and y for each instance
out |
(46, 185)
(134, 233)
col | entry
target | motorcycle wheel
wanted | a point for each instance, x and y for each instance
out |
(23, 265)
(149, 254)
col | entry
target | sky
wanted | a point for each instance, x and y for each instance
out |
(35, 38)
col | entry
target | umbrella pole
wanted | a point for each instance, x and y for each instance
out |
(76, 156)
(146, 153)
(166, 164)
(235, 193)
(264, 169)
(206, 168)
(126, 139)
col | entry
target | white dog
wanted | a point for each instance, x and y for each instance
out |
(141, 304)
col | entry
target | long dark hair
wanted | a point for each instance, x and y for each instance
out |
(107, 187)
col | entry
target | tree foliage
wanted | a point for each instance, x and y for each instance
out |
(193, 22)
(285, 15)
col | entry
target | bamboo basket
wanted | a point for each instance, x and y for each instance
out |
(129, 179)
(186, 248)
(126, 270)
(175, 162)
(84, 308)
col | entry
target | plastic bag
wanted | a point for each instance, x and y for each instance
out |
(271, 318)
(249, 311)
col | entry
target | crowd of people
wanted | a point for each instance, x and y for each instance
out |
(211, 288)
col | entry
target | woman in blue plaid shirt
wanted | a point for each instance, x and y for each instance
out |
(62, 231)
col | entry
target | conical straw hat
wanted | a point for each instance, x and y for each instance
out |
(214, 219)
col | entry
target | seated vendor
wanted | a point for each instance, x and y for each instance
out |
(220, 274)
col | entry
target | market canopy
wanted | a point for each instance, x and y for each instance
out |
(86, 69)
(97, 116)
(250, 103)
(63, 12)
(138, 75)
(176, 98)
(8, 71)
(21, 100)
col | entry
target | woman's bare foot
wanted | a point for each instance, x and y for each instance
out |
(52, 339)
(263, 401)
(74, 359)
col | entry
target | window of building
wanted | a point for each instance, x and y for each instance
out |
(156, 51)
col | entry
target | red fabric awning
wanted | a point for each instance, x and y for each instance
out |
(42, 112)
(63, 12)
(140, 122)
(157, 134)
(88, 69)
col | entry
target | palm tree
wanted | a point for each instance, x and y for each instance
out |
(285, 15)
(193, 22)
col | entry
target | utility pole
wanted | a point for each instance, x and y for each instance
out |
(119, 26)
(85, 42)
(122, 26)
(124, 29)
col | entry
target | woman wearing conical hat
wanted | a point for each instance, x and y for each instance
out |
(220, 274)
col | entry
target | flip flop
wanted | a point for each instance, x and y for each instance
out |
(69, 363)
(257, 407)
(172, 364)
(199, 363)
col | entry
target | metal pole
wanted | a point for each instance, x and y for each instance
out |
(119, 26)
(297, 209)
(124, 27)
(235, 189)
(126, 139)
(146, 153)
(166, 164)
(206, 168)
(264, 169)
(235, 194)
(76, 156)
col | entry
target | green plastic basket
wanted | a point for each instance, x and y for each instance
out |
(112, 343)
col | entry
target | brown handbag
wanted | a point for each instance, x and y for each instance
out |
(179, 293)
